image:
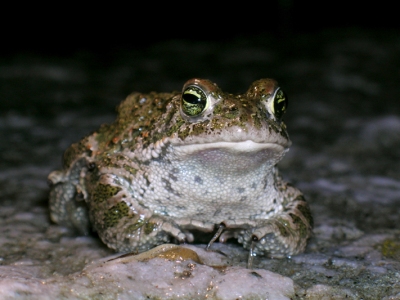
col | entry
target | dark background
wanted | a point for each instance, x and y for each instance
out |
(65, 30)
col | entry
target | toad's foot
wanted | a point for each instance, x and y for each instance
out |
(284, 235)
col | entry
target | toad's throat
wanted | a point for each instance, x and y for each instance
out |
(231, 157)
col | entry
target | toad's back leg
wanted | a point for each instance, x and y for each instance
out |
(67, 206)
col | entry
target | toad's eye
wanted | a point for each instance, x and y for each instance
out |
(194, 101)
(278, 103)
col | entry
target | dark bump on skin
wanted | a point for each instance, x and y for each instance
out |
(168, 187)
(217, 212)
(265, 183)
(173, 177)
(180, 207)
(198, 180)
(167, 184)
(147, 180)
(270, 211)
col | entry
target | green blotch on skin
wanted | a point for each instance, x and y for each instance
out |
(244, 119)
(256, 121)
(302, 228)
(305, 210)
(178, 124)
(105, 160)
(199, 128)
(217, 124)
(283, 227)
(156, 137)
(218, 109)
(115, 213)
(106, 133)
(232, 113)
(184, 133)
(391, 249)
(74, 151)
(135, 226)
(130, 169)
(149, 227)
(104, 192)
(226, 112)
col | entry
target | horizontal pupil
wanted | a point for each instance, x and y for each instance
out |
(191, 98)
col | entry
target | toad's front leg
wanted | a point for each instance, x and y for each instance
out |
(122, 220)
(283, 235)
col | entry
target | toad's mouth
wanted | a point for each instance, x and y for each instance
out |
(232, 156)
